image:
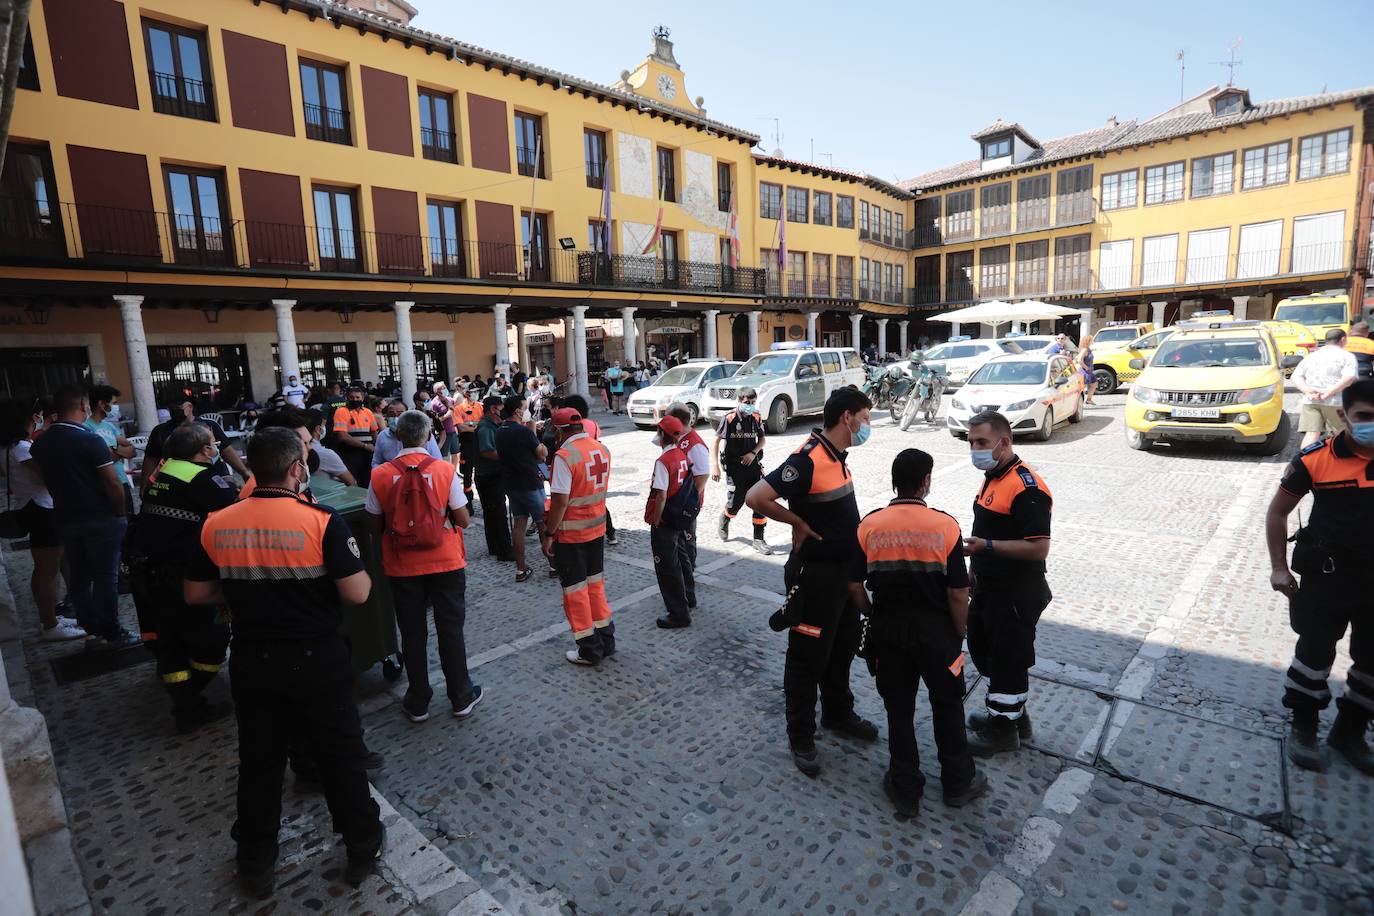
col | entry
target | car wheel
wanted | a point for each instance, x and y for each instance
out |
(1136, 440)
(1046, 427)
(778, 415)
(693, 415)
(1077, 415)
(1106, 380)
(1277, 440)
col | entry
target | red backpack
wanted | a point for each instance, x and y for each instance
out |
(415, 517)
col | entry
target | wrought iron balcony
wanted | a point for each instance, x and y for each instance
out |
(328, 124)
(438, 145)
(182, 96)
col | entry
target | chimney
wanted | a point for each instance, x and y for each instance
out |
(1111, 122)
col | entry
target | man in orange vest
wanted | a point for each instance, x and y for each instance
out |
(284, 567)
(824, 624)
(574, 537)
(421, 533)
(670, 514)
(356, 428)
(912, 558)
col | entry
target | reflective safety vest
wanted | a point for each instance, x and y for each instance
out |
(278, 539)
(362, 424)
(830, 477)
(907, 537)
(590, 464)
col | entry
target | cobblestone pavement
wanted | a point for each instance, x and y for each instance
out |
(661, 782)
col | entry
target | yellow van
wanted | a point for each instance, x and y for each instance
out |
(1318, 314)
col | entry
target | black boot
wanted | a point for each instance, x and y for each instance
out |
(854, 726)
(1023, 724)
(993, 735)
(1347, 737)
(1301, 746)
(805, 757)
(906, 805)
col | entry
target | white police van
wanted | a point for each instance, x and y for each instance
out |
(792, 379)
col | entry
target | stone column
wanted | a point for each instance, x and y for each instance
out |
(753, 319)
(287, 360)
(1157, 310)
(522, 345)
(498, 317)
(140, 372)
(580, 350)
(569, 353)
(708, 327)
(1085, 322)
(954, 329)
(811, 328)
(641, 342)
(1242, 303)
(882, 337)
(856, 330)
(405, 351)
(1111, 313)
(627, 334)
(901, 338)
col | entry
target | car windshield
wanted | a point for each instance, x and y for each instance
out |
(1203, 354)
(680, 376)
(1009, 373)
(1115, 335)
(769, 364)
(1027, 344)
(1315, 313)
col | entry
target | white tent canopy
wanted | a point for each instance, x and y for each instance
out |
(997, 311)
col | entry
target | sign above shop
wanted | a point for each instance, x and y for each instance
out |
(672, 329)
(594, 333)
(536, 339)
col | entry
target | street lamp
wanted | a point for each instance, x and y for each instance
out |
(211, 312)
(346, 314)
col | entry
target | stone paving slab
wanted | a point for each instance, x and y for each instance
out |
(1065, 719)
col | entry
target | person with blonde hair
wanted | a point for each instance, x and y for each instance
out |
(1084, 358)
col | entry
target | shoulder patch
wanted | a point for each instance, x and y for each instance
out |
(1027, 478)
(1315, 446)
(789, 473)
(221, 482)
(353, 548)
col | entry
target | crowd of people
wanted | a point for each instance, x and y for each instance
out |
(259, 571)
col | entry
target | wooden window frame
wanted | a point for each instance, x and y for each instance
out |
(201, 254)
(447, 264)
(840, 208)
(1165, 183)
(1033, 267)
(959, 287)
(323, 130)
(1116, 180)
(961, 216)
(802, 198)
(338, 263)
(425, 99)
(1265, 149)
(1211, 171)
(822, 216)
(1067, 274)
(1324, 137)
(770, 208)
(594, 164)
(991, 146)
(529, 160)
(28, 66)
(725, 184)
(994, 218)
(665, 173)
(179, 104)
(994, 262)
(1029, 205)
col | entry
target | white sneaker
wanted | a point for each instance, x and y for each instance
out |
(576, 658)
(69, 621)
(63, 631)
(762, 547)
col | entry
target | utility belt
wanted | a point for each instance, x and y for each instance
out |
(1315, 554)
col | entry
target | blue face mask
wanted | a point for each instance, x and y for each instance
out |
(1363, 433)
(391, 422)
(748, 410)
(860, 437)
(113, 415)
(982, 459)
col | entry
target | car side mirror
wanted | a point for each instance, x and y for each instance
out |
(1137, 363)
(1061, 381)
(1290, 362)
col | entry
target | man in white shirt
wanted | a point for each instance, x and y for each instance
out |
(331, 465)
(294, 392)
(1321, 377)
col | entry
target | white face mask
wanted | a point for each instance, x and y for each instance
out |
(113, 412)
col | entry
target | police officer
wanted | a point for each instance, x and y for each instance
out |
(824, 631)
(741, 435)
(1011, 538)
(574, 536)
(285, 566)
(1331, 557)
(912, 558)
(191, 639)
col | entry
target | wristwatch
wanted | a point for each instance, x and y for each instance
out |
(987, 545)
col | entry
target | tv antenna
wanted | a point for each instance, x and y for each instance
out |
(1231, 64)
(1182, 69)
(777, 135)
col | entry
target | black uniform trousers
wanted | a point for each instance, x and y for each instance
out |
(1001, 638)
(911, 645)
(738, 479)
(467, 457)
(820, 649)
(495, 523)
(284, 686)
(358, 461)
(1325, 605)
(674, 563)
(191, 639)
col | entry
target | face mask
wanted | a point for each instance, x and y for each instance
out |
(982, 459)
(355, 405)
(1363, 433)
(113, 412)
(391, 422)
(748, 410)
(860, 436)
(214, 455)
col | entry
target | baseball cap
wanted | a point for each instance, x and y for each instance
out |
(566, 416)
(671, 425)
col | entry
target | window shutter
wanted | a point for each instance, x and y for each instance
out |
(1260, 246)
(1114, 264)
(1159, 261)
(1318, 242)
(1207, 254)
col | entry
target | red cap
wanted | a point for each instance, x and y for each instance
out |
(672, 426)
(566, 416)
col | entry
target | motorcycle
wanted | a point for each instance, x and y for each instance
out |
(887, 387)
(929, 386)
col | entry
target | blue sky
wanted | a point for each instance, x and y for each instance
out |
(895, 89)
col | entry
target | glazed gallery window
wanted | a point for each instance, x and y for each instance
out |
(844, 212)
(1033, 202)
(1324, 154)
(770, 200)
(1119, 190)
(1265, 166)
(820, 209)
(1163, 183)
(1213, 175)
(797, 203)
(959, 215)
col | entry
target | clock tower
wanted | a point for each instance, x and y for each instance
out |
(660, 77)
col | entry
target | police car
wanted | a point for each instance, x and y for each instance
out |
(686, 382)
(1034, 392)
(961, 356)
(792, 379)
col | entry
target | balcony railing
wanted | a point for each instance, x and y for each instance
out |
(437, 145)
(1023, 216)
(112, 235)
(327, 124)
(529, 164)
(181, 96)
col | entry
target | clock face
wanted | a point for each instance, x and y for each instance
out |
(666, 87)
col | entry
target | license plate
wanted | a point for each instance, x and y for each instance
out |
(1198, 413)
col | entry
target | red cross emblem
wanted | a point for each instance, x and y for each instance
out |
(598, 471)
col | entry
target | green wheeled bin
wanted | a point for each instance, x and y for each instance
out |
(370, 628)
